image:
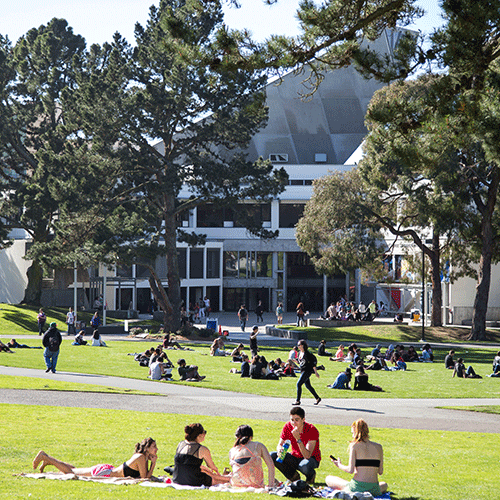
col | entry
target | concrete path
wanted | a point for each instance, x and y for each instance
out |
(196, 400)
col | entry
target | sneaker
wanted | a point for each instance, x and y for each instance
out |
(169, 469)
(296, 403)
(318, 401)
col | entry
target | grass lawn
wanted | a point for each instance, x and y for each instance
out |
(421, 380)
(495, 410)
(419, 465)
(40, 384)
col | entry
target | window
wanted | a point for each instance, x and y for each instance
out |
(264, 265)
(230, 264)
(290, 213)
(196, 263)
(210, 216)
(257, 213)
(181, 258)
(213, 263)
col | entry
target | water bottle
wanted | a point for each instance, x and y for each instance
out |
(284, 451)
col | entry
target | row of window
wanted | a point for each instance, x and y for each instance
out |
(211, 215)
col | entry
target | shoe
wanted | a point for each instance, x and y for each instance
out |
(169, 469)
(47, 370)
(53, 371)
(318, 401)
(296, 403)
(320, 367)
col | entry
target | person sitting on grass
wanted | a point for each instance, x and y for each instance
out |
(245, 366)
(289, 370)
(461, 372)
(79, 340)
(160, 369)
(339, 355)
(496, 366)
(189, 373)
(237, 353)
(189, 457)
(427, 355)
(343, 380)
(366, 461)
(361, 381)
(412, 354)
(257, 368)
(169, 343)
(322, 349)
(449, 362)
(246, 458)
(140, 465)
(96, 339)
(215, 349)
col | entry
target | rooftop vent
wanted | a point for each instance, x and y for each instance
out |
(320, 157)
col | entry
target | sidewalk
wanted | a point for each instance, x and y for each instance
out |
(195, 399)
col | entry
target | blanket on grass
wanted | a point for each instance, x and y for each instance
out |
(220, 487)
(344, 495)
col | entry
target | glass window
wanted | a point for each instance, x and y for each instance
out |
(243, 264)
(259, 213)
(196, 263)
(210, 216)
(264, 265)
(181, 257)
(213, 263)
(123, 271)
(280, 281)
(299, 266)
(230, 264)
(290, 213)
(281, 261)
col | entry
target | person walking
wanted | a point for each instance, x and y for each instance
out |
(253, 341)
(279, 314)
(243, 316)
(51, 340)
(70, 321)
(41, 319)
(259, 311)
(307, 363)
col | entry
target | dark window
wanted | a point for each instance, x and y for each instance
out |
(123, 271)
(290, 213)
(181, 257)
(213, 263)
(258, 214)
(299, 266)
(196, 263)
(210, 216)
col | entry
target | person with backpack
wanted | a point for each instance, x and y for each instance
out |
(51, 340)
(307, 363)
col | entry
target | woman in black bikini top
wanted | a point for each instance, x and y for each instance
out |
(366, 462)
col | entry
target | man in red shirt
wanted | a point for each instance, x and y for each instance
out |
(305, 455)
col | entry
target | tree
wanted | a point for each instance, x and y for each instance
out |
(203, 118)
(33, 133)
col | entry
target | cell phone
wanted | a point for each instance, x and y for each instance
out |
(332, 457)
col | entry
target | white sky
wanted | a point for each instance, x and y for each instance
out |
(98, 20)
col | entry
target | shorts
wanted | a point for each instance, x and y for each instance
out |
(102, 470)
(373, 488)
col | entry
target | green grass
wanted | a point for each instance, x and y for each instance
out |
(421, 380)
(40, 384)
(419, 465)
(494, 410)
(16, 320)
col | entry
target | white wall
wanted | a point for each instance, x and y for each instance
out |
(13, 269)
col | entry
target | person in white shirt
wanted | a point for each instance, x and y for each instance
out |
(70, 321)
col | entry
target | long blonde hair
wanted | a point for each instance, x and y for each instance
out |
(361, 431)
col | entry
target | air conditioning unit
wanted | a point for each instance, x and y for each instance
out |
(320, 157)
(278, 158)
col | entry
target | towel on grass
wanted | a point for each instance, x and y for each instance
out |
(328, 492)
(220, 487)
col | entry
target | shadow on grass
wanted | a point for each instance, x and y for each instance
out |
(21, 319)
(394, 497)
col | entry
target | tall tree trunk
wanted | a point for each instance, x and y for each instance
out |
(437, 296)
(33, 292)
(478, 331)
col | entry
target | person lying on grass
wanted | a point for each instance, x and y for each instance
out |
(140, 465)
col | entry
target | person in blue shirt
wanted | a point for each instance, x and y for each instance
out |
(343, 380)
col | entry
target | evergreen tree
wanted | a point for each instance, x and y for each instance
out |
(33, 133)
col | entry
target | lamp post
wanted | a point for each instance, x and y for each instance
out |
(423, 294)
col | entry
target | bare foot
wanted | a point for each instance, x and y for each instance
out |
(40, 458)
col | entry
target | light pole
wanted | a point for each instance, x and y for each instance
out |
(423, 294)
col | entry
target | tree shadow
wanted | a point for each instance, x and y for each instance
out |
(22, 319)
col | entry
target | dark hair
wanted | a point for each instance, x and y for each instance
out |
(192, 431)
(243, 434)
(181, 361)
(297, 410)
(96, 334)
(144, 445)
(302, 343)
(460, 360)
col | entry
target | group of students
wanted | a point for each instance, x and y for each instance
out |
(160, 366)
(298, 451)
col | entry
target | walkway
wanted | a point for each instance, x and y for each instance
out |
(195, 400)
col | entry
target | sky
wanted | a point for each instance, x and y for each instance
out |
(98, 20)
